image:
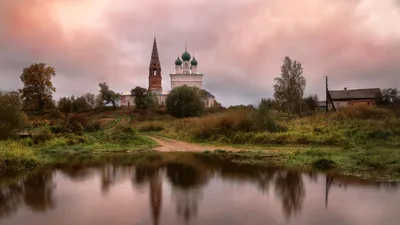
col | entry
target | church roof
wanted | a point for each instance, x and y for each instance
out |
(186, 56)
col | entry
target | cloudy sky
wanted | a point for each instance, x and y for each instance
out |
(239, 44)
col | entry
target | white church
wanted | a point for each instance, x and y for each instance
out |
(185, 74)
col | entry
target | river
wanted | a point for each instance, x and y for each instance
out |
(192, 191)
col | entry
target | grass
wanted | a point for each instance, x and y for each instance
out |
(361, 126)
(374, 164)
(44, 146)
(358, 141)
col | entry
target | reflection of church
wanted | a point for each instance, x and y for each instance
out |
(185, 74)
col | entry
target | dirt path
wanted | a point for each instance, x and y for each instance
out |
(167, 145)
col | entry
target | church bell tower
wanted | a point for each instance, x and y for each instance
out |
(155, 70)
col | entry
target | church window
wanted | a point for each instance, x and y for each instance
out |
(154, 72)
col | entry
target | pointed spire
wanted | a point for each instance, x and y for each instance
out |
(185, 46)
(154, 53)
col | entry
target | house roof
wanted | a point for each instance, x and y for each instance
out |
(368, 93)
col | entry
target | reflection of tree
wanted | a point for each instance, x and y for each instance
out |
(35, 190)
(10, 198)
(313, 176)
(77, 173)
(111, 174)
(38, 191)
(187, 183)
(289, 186)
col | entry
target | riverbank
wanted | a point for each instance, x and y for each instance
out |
(361, 143)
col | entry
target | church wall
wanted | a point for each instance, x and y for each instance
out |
(186, 79)
(127, 100)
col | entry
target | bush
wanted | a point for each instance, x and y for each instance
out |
(75, 124)
(92, 126)
(184, 101)
(15, 156)
(11, 116)
(57, 129)
(41, 134)
(27, 142)
(151, 126)
(361, 112)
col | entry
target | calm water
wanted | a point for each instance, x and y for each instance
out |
(195, 192)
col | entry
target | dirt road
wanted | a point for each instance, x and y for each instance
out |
(167, 145)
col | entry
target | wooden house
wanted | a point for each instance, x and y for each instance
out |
(355, 97)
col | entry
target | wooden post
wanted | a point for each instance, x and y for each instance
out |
(326, 92)
(328, 97)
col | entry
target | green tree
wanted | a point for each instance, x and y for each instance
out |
(311, 102)
(90, 100)
(388, 98)
(289, 88)
(184, 101)
(99, 102)
(38, 88)
(144, 99)
(12, 117)
(65, 105)
(107, 95)
(263, 118)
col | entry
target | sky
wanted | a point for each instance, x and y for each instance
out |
(239, 44)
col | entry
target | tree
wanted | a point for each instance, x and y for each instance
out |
(263, 118)
(289, 88)
(65, 105)
(107, 95)
(184, 101)
(12, 117)
(311, 102)
(388, 97)
(99, 102)
(143, 99)
(90, 100)
(38, 88)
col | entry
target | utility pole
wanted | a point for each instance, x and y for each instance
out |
(326, 92)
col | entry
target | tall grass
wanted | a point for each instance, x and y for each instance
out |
(346, 128)
(15, 156)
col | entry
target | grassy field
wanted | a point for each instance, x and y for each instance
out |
(48, 142)
(360, 141)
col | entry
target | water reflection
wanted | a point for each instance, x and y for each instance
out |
(188, 181)
(35, 191)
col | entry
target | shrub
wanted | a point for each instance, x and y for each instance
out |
(11, 116)
(27, 142)
(151, 126)
(93, 125)
(57, 129)
(324, 164)
(75, 139)
(75, 124)
(361, 112)
(15, 156)
(42, 134)
(184, 101)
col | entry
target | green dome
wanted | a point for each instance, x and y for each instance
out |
(186, 56)
(178, 62)
(193, 62)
